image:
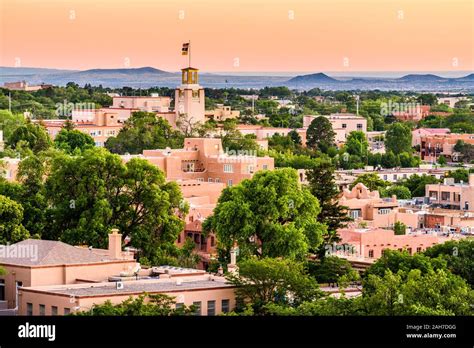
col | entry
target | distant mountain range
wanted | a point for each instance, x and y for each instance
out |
(146, 77)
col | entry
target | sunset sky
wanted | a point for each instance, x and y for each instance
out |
(240, 36)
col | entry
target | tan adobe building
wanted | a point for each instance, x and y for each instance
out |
(367, 208)
(35, 262)
(452, 195)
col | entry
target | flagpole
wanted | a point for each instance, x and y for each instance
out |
(189, 60)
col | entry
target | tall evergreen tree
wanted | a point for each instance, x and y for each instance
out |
(323, 186)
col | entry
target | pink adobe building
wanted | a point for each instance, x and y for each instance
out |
(53, 278)
(433, 146)
(452, 195)
(203, 159)
(342, 124)
(35, 262)
(419, 133)
(369, 243)
(24, 86)
(366, 207)
(415, 114)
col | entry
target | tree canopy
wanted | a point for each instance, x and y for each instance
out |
(270, 215)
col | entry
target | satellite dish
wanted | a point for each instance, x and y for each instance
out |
(119, 286)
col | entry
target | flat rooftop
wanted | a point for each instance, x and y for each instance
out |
(134, 287)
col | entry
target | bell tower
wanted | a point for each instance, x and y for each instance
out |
(189, 97)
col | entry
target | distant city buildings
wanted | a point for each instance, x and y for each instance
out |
(24, 86)
(452, 195)
(342, 124)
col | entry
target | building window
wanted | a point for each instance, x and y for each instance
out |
(404, 176)
(265, 166)
(211, 308)
(67, 311)
(385, 177)
(394, 176)
(197, 305)
(213, 242)
(371, 253)
(434, 195)
(228, 168)
(29, 308)
(2, 290)
(225, 306)
(418, 249)
(409, 251)
(210, 180)
(355, 214)
(54, 310)
(344, 125)
(200, 179)
(218, 180)
(42, 309)
(445, 196)
(251, 169)
(229, 182)
(359, 126)
(385, 211)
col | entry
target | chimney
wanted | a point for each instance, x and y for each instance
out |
(471, 179)
(115, 244)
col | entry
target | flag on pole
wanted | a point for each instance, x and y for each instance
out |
(185, 49)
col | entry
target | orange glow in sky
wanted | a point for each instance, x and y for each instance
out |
(240, 35)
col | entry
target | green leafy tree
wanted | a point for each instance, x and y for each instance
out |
(442, 161)
(459, 256)
(399, 228)
(436, 292)
(320, 135)
(398, 138)
(94, 192)
(356, 144)
(143, 131)
(270, 215)
(331, 269)
(11, 215)
(268, 280)
(33, 136)
(401, 192)
(69, 140)
(143, 305)
(416, 184)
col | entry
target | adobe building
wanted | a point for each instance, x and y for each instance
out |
(451, 195)
(434, 146)
(221, 113)
(367, 208)
(342, 124)
(24, 86)
(204, 159)
(212, 295)
(370, 243)
(419, 133)
(35, 262)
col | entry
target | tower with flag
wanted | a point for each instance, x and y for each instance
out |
(189, 96)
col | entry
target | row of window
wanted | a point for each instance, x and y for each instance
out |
(42, 310)
(211, 307)
(395, 176)
(359, 126)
